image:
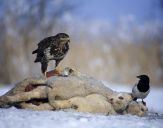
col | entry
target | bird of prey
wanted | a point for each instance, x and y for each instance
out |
(52, 48)
(142, 88)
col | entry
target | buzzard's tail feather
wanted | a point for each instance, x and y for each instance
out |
(35, 51)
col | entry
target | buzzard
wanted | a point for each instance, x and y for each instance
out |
(52, 48)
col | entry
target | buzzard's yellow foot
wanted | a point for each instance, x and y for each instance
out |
(61, 72)
(44, 75)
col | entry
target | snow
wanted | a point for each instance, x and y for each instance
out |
(19, 118)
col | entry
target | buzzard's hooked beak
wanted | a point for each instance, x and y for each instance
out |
(65, 39)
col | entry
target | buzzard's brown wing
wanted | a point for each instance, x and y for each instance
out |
(42, 46)
(45, 43)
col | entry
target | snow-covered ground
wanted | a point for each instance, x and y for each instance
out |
(18, 118)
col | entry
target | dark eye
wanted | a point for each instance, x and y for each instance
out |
(121, 98)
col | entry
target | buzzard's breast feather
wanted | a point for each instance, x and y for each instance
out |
(42, 46)
(48, 55)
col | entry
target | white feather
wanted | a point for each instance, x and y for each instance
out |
(137, 94)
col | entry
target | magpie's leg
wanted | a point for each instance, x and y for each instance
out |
(134, 99)
(144, 103)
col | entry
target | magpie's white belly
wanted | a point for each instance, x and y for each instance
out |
(140, 95)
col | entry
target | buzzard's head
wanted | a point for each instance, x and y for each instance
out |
(63, 38)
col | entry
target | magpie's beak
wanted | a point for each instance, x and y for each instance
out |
(138, 77)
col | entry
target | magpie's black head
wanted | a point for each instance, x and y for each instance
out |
(144, 78)
(143, 84)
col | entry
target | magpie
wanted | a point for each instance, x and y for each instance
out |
(142, 88)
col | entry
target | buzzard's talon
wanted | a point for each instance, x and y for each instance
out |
(44, 77)
(54, 72)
